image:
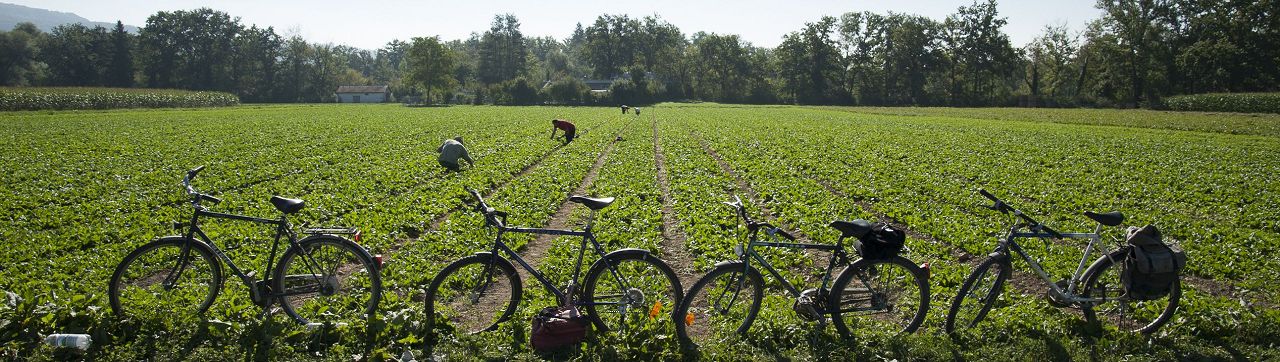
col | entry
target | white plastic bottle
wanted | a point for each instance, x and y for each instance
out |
(77, 341)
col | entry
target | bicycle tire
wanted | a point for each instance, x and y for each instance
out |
(851, 291)
(698, 327)
(201, 290)
(1097, 273)
(349, 286)
(984, 303)
(644, 277)
(458, 274)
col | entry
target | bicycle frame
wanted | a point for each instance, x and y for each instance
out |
(564, 296)
(281, 229)
(1009, 243)
(838, 257)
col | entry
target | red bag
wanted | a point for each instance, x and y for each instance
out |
(556, 327)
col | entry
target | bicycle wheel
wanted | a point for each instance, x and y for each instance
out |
(1102, 280)
(473, 294)
(721, 304)
(638, 289)
(327, 279)
(886, 294)
(157, 280)
(978, 293)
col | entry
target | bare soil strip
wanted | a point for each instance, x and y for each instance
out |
(535, 250)
(745, 187)
(673, 238)
(435, 224)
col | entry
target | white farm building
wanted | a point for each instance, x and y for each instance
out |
(363, 94)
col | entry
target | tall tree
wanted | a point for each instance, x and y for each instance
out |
(812, 65)
(982, 51)
(503, 53)
(1048, 59)
(19, 52)
(77, 55)
(431, 65)
(120, 70)
(1134, 22)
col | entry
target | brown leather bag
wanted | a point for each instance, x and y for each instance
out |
(555, 327)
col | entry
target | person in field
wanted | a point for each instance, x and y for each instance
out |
(569, 130)
(637, 111)
(624, 109)
(453, 151)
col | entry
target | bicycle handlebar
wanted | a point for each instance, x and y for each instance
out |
(753, 225)
(1003, 207)
(491, 215)
(196, 196)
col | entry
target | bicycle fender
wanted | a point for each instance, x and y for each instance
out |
(502, 262)
(727, 262)
(1003, 257)
(364, 252)
(642, 253)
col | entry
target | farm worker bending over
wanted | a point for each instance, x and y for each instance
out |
(624, 109)
(451, 151)
(637, 111)
(568, 128)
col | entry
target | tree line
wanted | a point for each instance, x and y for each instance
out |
(1137, 53)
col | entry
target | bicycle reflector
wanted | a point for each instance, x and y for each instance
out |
(927, 273)
(657, 309)
(688, 319)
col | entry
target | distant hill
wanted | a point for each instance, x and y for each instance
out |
(46, 20)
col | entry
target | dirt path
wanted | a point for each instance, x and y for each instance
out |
(745, 188)
(537, 249)
(674, 240)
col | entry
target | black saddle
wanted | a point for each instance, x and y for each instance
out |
(592, 202)
(287, 205)
(856, 228)
(1107, 218)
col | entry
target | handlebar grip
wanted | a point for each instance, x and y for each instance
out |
(210, 198)
(988, 195)
(192, 174)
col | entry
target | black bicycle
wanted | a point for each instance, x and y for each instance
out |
(624, 288)
(888, 293)
(1097, 291)
(322, 278)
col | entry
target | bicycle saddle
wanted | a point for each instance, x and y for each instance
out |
(287, 205)
(591, 202)
(1107, 218)
(856, 228)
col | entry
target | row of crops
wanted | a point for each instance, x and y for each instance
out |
(36, 99)
(82, 189)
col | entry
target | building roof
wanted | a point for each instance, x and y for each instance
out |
(362, 89)
(598, 84)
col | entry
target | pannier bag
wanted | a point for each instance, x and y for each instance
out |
(1152, 266)
(883, 242)
(555, 327)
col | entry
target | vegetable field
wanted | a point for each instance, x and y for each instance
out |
(80, 189)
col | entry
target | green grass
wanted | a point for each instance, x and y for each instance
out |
(82, 188)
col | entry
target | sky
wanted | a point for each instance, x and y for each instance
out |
(371, 24)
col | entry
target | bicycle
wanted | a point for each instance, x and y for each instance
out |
(322, 278)
(477, 293)
(1096, 291)
(891, 293)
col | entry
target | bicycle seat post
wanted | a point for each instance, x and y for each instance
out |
(591, 220)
